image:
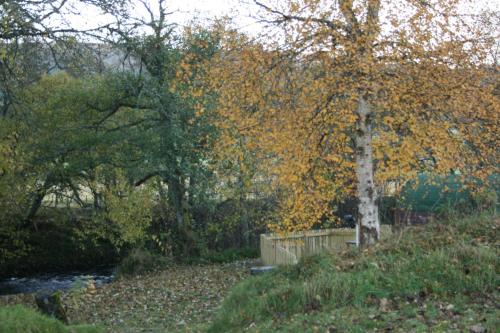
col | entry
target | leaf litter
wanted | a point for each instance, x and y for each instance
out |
(180, 298)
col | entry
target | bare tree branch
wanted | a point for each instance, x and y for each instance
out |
(286, 17)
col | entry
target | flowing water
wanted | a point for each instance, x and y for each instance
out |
(56, 281)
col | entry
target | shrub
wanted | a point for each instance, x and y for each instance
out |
(140, 261)
(487, 199)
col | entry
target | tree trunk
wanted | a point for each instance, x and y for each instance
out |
(179, 209)
(177, 196)
(368, 219)
(245, 229)
(35, 206)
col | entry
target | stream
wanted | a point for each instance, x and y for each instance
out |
(56, 281)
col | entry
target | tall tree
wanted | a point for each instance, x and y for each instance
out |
(354, 93)
(166, 61)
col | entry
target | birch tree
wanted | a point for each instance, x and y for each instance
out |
(351, 94)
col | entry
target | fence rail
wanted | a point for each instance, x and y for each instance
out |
(286, 249)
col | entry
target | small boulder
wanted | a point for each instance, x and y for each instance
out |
(261, 269)
(384, 305)
(50, 303)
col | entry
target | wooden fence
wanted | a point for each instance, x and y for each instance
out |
(286, 249)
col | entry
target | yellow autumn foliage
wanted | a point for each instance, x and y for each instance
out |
(292, 95)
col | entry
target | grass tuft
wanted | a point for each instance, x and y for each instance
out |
(17, 319)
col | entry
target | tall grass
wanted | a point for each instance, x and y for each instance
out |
(445, 259)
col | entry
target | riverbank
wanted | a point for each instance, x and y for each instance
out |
(63, 241)
(177, 299)
(442, 277)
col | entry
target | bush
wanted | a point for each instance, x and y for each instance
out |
(64, 240)
(438, 194)
(15, 319)
(140, 261)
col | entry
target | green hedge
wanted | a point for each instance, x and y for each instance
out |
(432, 193)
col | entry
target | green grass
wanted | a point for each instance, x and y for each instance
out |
(18, 319)
(441, 278)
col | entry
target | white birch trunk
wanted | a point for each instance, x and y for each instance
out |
(368, 219)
